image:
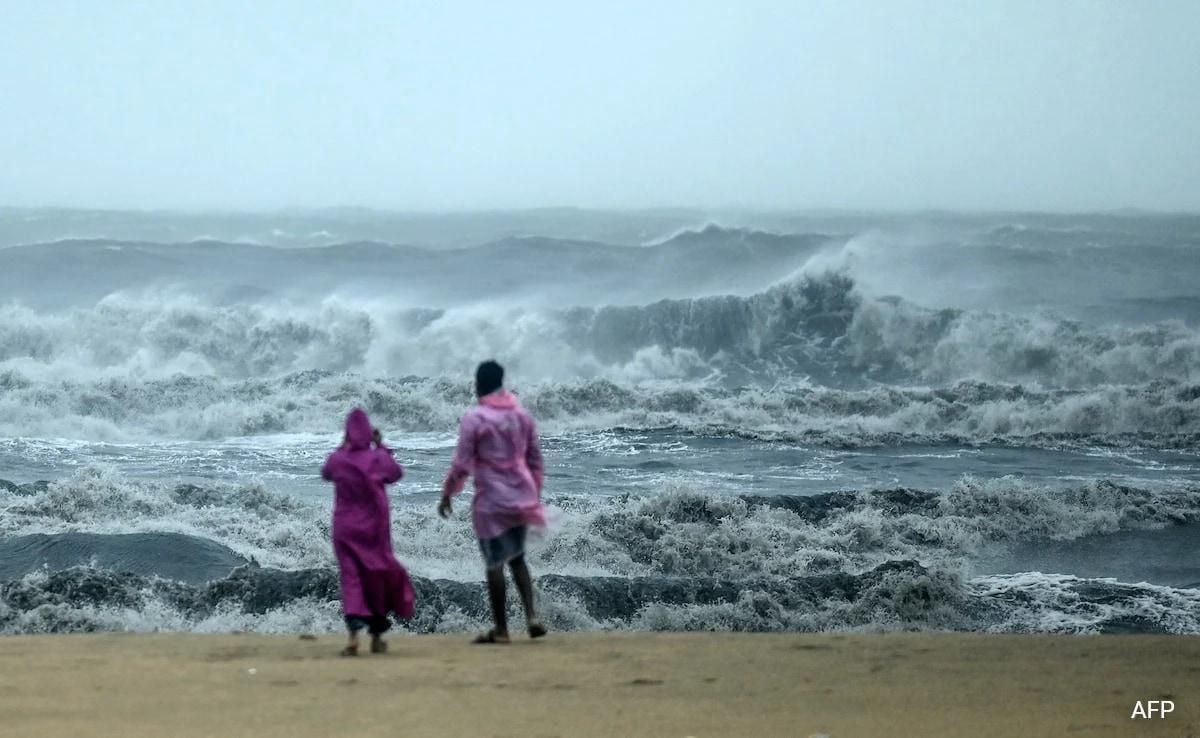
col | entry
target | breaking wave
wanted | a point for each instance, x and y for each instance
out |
(816, 326)
(681, 559)
(1057, 331)
(810, 358)
(1162, 414)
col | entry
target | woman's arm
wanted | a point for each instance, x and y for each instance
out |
(389, 469)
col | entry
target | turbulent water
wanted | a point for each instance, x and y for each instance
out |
(752, 422)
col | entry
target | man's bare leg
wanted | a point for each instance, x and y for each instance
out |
(496, 595)
(524, 582)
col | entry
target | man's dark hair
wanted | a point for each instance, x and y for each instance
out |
(489, 377)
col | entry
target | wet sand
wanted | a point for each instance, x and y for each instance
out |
(588, 685)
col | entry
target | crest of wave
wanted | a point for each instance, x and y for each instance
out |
(155, 335)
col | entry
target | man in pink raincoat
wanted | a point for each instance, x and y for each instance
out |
(373, 582)
(497, 442)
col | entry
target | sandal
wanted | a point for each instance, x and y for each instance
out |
(378, 646)
(490, 637)
(536, 629)
(349, 651)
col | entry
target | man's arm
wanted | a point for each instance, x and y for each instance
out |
(533, 456)
(461, 466)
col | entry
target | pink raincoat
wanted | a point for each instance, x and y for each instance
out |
(497, 442)
(373, 582)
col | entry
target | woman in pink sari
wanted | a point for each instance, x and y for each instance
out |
(498, 444)
(374, 585)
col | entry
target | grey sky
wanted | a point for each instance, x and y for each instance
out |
(462, 105)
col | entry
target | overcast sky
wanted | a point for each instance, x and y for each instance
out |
(1044, 104)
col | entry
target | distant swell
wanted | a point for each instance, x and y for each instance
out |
(564, 271)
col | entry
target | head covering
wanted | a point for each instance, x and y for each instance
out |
(358, 429)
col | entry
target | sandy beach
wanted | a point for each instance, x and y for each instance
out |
(599, 685)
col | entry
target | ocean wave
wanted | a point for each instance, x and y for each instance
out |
(895, 596)
(679, 531)
(528, 269)
(729, 305)
(1163, 414)
(298, 228)
(815, 326)
(677, 560)
(165, 555)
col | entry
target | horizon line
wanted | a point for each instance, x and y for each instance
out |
(581, 209)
